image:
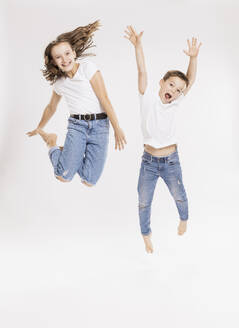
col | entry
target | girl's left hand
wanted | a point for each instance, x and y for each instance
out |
(120, 140)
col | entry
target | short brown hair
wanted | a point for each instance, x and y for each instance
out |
(179, 74)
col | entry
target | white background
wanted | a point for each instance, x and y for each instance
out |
(71, 256)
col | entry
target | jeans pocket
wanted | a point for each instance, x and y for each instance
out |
(103, 123)
(146, 160)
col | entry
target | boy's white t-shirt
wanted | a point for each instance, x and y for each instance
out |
(158, 120)
(78, 92)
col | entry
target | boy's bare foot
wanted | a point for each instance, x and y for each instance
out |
(182, 227)
(148, 243)
(49, 138)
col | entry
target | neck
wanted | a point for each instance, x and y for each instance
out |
(71, 73)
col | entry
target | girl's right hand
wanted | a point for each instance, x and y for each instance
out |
(132, 36)
(32, 133)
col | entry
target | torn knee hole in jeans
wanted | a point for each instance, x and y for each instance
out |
(181, 200)
(143, 205)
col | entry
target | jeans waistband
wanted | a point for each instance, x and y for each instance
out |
(161, 159)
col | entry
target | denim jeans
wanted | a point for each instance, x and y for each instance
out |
(169, 169)
(84, 151)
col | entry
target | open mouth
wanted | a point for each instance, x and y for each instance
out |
(168, 96)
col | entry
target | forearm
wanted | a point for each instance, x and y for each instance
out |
(107, 106)
(192, 70)
(142, 74)
(139, 54)
(46, 116)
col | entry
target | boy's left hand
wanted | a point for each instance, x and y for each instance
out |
(193, 48)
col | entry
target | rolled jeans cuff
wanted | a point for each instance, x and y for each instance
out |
(51, 150)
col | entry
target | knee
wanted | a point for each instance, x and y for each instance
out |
(180, 198)
(143, 205)
(61, 179)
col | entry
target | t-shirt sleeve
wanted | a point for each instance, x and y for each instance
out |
(146, 92)
(148, 95)
(90, 69)
(57, 89)
(180, 99)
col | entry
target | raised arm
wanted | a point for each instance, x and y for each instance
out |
(135, 39)
(192, 52)
(47, 114)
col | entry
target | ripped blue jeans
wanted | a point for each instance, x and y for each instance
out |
(84, 151)
(169, 169)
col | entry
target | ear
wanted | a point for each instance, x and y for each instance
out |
(161, 82)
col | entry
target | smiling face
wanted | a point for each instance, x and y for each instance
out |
(64, 56)
(171, 89)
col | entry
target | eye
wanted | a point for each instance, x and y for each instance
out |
(171, 84)
(179, 91)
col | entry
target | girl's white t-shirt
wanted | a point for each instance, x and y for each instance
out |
(158, 120)
(78, 92)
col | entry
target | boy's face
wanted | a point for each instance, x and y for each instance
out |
(171, 89)
(63, 56)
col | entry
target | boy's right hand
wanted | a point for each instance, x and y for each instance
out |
(132, 36)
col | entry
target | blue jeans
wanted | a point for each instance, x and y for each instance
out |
(169, 169)
(84, 151)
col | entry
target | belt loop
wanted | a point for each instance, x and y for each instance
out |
(95, 116)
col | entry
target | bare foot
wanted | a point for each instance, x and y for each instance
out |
(49, 138)
(182, 227)
(148, 243)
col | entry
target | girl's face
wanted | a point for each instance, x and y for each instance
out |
(63, 56)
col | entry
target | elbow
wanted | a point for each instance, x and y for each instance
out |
(190, 82)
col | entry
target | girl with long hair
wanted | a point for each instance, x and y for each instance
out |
(81, 83)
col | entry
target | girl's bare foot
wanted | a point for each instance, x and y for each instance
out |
(182, 227)
(148, 243)
(49, 138)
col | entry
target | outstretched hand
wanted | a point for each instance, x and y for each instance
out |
(132, 36)
(32, 133)
(193, 48)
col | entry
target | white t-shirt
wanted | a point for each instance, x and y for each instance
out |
(78, 92)
(158, 120)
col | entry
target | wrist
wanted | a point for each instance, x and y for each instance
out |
(138, 45)
(116, 127)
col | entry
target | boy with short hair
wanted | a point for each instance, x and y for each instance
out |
(160, 158)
